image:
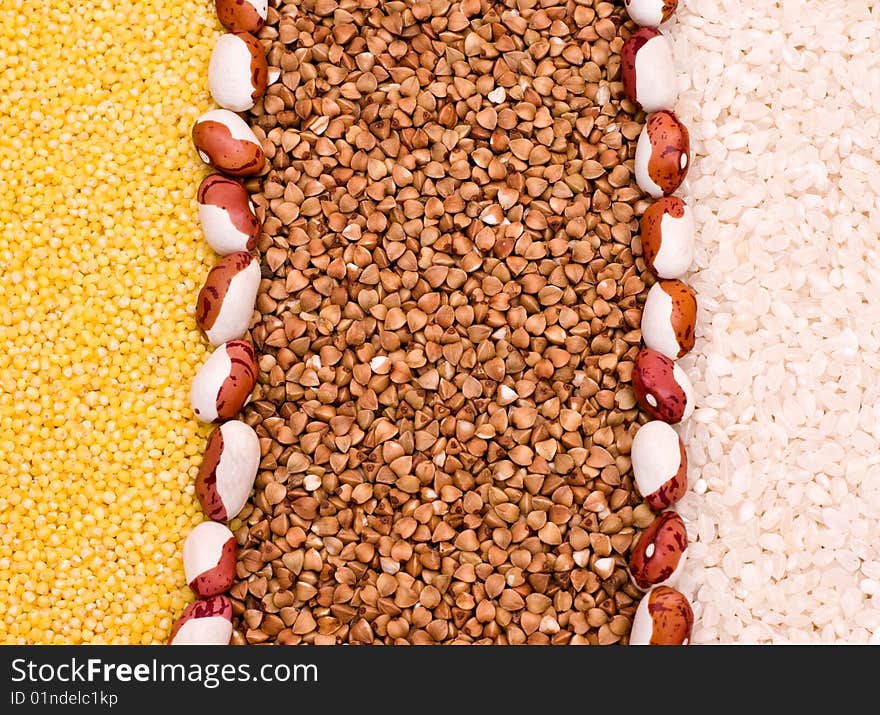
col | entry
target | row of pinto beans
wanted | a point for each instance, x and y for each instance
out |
(237, 77)
(663, 390)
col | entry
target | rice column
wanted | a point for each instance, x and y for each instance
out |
(781, 101)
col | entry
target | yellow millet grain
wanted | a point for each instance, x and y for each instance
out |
(101, 258)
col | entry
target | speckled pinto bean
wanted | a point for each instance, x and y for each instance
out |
(209, 555)
(659, 462)
(664, 617)
(207, 621)
(225, 142)
(660, 552)
(669, 318)
(242, 15)
(662, 388)
(227, 215)
(662, 154)
(667, 233)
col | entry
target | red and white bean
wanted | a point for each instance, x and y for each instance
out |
(225, 304)
(227, 215)
(660, 553)
(669, 318)
(224, 383)
(667, 231)
(228, 470)
(664, 617)
(237, 72)
(659, 463)
(207, 621)
(209, 555)
(662, 388)
(648, 71)
(242, 15)
(662, 154)
(226, 142)
(650, 13)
